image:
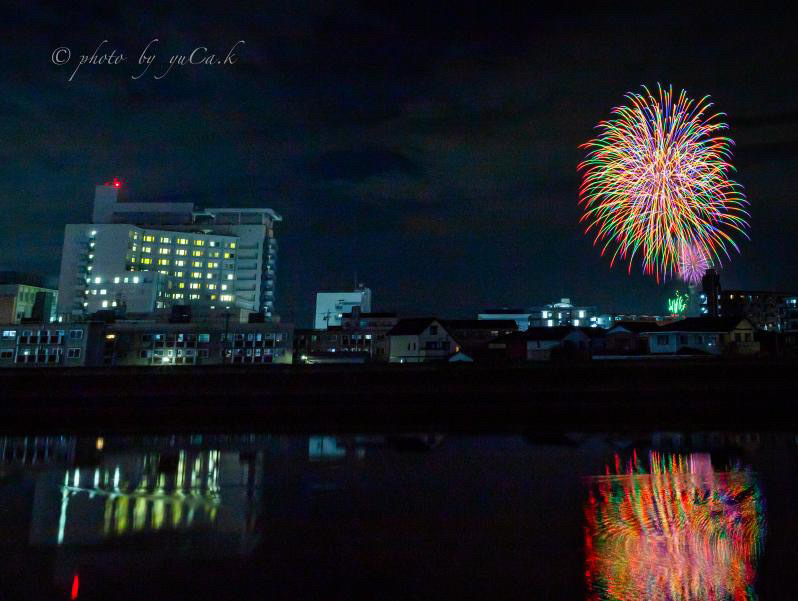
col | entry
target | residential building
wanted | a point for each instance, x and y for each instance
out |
(420, 340)
(791, 314)
(360, 333)
(707, 335)
(628, 338)
(563, 313)
(25, 297)
(216, 342)
(51, 344)
(331, 306)
(473, 335)
(552, 315)
(367, 331)
(710, 295)
(543, 344)
(766, 310)
(219, 259)
(521, 317)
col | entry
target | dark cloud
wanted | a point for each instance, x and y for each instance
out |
(431, 151)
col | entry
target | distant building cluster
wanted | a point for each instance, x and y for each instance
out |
(167, 283)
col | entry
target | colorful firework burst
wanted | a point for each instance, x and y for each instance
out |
(678, 532)
(693, 263)
(677, 304)
(656, 179)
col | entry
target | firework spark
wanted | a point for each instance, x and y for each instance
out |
(656, 179)
(693, 263)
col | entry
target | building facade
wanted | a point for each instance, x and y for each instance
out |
(202, 343)
(473, 335)
(521, 317)
(145, 343)
(218, 259)
(563, 314)
(331, 306)
(420, 340)
(705, 335)
(25, 297)
(51, 345)
(361, 334)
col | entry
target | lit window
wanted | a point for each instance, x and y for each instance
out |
(232, 245)
(146, 249)
(116, 280)
(199, 242)
(93, 233)
(181, 285)
(196, 253)
(164, 251)
(195, 285)
(135, 279)
(178, 274)
(180, 262)
(146, 260)
(209, 275)
(105, 304)
(178, 295)
(196, 274)
(227, 297)
(213, 265)
(148, 238)
(88, 268)
(166, 240)
(228, 255)
(194, 296)
(163, 261)
(94, 292)
(196, 263)
(213, 297)
(103, 292)
(224, 286)
(182, 240)
(181, 252)
(211, 286)
(126, 280)
(97, 280)
(230, 276)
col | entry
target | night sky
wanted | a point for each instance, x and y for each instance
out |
(431, 152)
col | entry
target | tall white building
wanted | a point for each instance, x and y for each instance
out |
(148, 256)
(331, 306)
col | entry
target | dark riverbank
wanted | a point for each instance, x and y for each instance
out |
(593, 396)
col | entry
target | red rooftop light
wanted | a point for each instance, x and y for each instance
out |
(116, 183)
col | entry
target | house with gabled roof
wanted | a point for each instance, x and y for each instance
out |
(704, 335)
(420, 340)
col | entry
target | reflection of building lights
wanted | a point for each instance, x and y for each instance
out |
(100, 443)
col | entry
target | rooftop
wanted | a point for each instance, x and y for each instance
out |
(412, 326)
(702, 324)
